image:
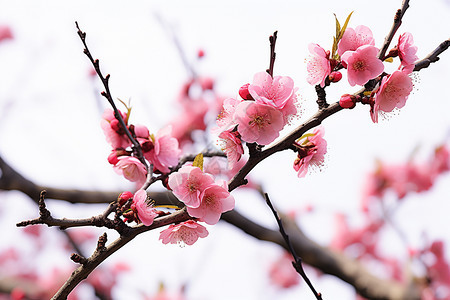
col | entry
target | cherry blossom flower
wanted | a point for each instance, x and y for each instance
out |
(115, 134)
(258, 122)
(275, 92)
(232, 146)
(165, 152)
(362, 64)
(145, 211)
(187, 232)
(225, 119)
(188, 183)
(355, 38)
(318, 66)
(311, 152)
(393, 93)
(215, 200)
(282, 273)
(407, 50)
(132, 169)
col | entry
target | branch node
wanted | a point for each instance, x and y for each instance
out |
(77, 258)
(43, 211)
(101, 244)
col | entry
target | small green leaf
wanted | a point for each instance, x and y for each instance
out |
(345, 26)
(198, 161)
(334, 48)
(389, 59)
(338, 26)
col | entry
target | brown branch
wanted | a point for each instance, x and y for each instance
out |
(103, 252)
(397, 22)
(273, 55)
(433, 56)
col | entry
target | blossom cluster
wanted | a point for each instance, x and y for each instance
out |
(161, 150)
(356, 52)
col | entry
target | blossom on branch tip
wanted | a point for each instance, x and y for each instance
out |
(258, 123)
(145, 211)
(393, 92)
(407, 50)
(188, 183)
(187, 232)
(232, 146)
(355, 38)
(311, 151)
(318, 66)
(132, 169)
(362, 64)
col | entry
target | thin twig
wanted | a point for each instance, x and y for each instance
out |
(433, 56)
(298, 261)
(273, 41)
(397, 22)
(107, 94)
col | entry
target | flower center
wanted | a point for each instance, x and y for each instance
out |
(258, 121)
(359, 65)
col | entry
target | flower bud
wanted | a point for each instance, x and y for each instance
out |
(124, 197)
(335, 76)
(112, 158)
(347, 101)
(207, 83)
(244, 93)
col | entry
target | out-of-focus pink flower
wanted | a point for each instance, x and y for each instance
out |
(188, 183)
(187, 232)
(115, 134)
(5, 33)
(393, 93)
(215, 200)
(165, 152)
(282, 272)
(232, 146)
(362, 64)
(132, 169)
(274, 91)
(355, 38)
(318, 66)
(145, 211)
(258, 122)
(406, 50)
(312, 151)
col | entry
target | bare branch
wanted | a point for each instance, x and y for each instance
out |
(433, 56)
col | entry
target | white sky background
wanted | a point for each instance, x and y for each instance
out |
(49, 126)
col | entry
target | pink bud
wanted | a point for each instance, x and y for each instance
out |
(347, 101)
(112, 158)
(124, 197)
(206, 83)
(200, 53)
(335, 76)
(244, 93)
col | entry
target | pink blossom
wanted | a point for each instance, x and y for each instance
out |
(188, 183)
(393, 93)
(362, 64)
(225, 119)
(282, 272)
(141, 131)
(311, 152)
(115, 134)
(192, 118)
(318, 66)
(187, 232)
(165, 152)
(215, 200)
(146, 212)
(5, 33)
(274, 91)
(258, 122)
(407, 50)
(355, 38)
(132, 169)
(232, 146)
